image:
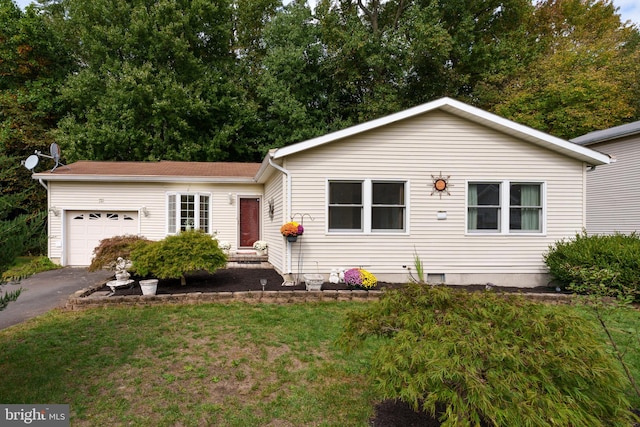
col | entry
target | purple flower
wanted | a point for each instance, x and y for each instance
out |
(353, 277)
(300, 229)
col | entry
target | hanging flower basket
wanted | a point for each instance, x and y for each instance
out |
(291, 230)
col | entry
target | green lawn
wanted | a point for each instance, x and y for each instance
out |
(225, 365)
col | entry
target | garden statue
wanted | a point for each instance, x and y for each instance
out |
(122, 275)
(333, 277)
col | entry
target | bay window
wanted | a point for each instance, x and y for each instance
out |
(188, 211)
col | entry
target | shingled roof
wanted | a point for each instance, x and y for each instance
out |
(153, 171)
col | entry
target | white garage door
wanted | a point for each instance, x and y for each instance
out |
(87, 228)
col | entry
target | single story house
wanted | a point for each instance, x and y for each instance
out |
(613, 193)
(477, 197)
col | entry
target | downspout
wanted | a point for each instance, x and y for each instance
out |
(43, 184)
(289, 205)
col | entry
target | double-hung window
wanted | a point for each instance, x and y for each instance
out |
(505, 207)
(188, 211)
(367, 205)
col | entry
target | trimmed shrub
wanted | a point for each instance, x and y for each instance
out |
(175, 256)
(108, 250)
(575, 263)
(490, 359)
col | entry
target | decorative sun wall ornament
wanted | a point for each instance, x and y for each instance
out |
(441, 185)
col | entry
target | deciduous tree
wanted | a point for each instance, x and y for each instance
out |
(584, 76)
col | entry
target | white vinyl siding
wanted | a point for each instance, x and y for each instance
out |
(613, 196)
(133, 196)
(413, 151)
(275, 195)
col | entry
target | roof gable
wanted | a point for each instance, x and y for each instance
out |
(462, 110)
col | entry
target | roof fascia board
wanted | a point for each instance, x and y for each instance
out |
(139, 178)
(264, 166)
(604, 135)
(462, 110)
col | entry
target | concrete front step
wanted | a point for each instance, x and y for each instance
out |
(247, 259)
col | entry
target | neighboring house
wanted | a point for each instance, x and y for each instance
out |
(477, 197)
(613, 192)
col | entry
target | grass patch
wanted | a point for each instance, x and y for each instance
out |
(24, 267)
(224, 365)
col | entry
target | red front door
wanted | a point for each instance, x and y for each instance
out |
(249, 221)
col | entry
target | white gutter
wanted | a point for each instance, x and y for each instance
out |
(289, 205)
(43, 184)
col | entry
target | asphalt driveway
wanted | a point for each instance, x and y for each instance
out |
(48, 290)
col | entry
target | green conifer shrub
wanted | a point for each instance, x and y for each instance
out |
(490, 359)
(175, 256)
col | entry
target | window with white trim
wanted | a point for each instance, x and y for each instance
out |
(367, 205)
(188, 211)
(519, 205)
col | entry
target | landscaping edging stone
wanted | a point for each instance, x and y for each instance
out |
(91, 297)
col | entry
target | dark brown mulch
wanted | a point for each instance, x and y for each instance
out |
(248, 279)
(389, 413)
(232, 280)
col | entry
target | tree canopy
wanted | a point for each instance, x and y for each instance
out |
(223, 80)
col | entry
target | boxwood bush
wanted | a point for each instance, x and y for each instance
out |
(175, 256)
(490, 359)
(587, 261)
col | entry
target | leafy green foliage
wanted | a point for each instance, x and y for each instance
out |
(24, 234)
(580, 74)
(606, 265)
(8, 297)
(24, 270)
(420, 275)
(175, 256)
(155, 82)
(33, 64)
(108, 250)
(489, 358)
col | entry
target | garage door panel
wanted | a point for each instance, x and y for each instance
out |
(87, 229)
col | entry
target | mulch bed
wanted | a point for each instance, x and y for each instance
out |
(388, 413)
(248, 279)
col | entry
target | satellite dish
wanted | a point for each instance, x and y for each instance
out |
(55, 152)
(31, 162)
